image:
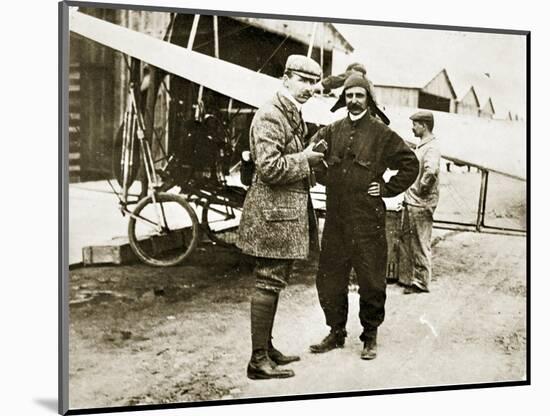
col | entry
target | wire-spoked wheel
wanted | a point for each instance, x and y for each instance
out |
(163, 229)
(221, 224)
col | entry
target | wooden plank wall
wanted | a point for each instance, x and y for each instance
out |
(74, 122)
(403, 97)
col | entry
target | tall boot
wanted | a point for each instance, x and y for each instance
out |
(276, 356)
(262, 313)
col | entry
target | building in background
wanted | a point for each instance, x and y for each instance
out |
(415, 89)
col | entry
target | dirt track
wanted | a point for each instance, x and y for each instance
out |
(141, 335)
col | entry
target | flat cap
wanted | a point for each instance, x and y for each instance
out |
(356, 80)
(422, 116)
(303, 66)
(357, 66)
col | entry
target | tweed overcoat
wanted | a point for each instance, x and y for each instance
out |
(275, 219)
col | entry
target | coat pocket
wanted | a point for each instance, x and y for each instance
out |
(280, 214)
(362, 173)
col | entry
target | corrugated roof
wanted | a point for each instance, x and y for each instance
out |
(301, 31)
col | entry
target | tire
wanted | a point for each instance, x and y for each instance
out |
(221, 223)
(175, 242)
(117, 157)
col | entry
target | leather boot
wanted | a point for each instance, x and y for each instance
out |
(335, 339)
(262, 312)
(260, 367)
(369, 345)
(276, 356)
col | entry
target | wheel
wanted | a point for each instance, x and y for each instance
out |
(221, 223)
(117, 161)
(165, 232)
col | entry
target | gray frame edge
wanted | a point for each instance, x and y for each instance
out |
(63, 204)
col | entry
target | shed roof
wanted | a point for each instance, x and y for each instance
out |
(489, 107)
(471, 91)
(301, 31)
(387, 70)
(464, 79)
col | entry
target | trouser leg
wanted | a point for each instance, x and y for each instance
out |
(406, 264)
(333, 279)
(369, 260)
(421, 220)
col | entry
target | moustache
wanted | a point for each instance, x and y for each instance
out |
(355, 106)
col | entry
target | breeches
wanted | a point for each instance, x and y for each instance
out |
(272, 274)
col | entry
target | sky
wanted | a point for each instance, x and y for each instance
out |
(496, 62)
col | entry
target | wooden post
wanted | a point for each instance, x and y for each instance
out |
(172, 23)
(482, 200)
(312, 40)
(216, 38)
(193, 31)
(322, 50)
(190, 47)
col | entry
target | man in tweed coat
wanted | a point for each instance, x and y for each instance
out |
(360, 149)
(277, 212)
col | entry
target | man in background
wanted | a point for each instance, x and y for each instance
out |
(333, 82)
(420, 202)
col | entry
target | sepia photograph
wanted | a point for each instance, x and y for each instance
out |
(262, 208)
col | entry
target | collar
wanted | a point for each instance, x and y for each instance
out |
(354, 117)
(425, 141)
(286, 93)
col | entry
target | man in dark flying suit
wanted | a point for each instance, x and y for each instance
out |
(360, 149)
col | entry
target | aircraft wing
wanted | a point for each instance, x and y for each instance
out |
(494, 145)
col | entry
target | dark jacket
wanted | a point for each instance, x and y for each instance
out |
(359, 153)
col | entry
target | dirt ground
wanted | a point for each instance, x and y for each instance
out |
(142, 335)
